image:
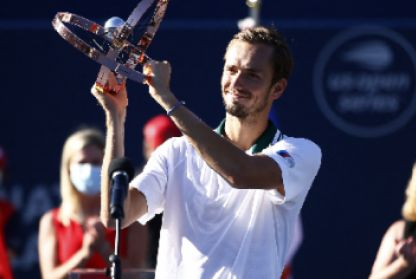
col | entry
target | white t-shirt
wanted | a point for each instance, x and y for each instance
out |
(211, 230)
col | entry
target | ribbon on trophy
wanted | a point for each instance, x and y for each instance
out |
(114, 45)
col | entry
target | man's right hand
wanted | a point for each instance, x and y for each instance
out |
(111, 95)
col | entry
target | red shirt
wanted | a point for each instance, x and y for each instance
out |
(6, 210)
(70, 241)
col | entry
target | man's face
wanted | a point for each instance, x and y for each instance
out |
(246, 82)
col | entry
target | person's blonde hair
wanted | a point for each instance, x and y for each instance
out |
(75, 142)
(409, 207)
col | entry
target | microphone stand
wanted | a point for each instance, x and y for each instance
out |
(120, 171)
(115, 261)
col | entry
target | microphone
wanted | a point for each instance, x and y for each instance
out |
(121, 171)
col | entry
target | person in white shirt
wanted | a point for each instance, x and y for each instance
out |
(229, 197)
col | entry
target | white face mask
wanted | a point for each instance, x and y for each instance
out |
(86, 178)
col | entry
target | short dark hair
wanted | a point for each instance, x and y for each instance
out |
(282, 57)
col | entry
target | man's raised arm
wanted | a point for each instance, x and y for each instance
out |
(114, 101)
(234, 165)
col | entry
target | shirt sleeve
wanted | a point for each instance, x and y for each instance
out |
(299, 160)
(152, 182)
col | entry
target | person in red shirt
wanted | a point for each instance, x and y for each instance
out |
(72, 236)
(6, 211)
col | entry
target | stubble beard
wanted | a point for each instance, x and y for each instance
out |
(241, 112)
(236, 110)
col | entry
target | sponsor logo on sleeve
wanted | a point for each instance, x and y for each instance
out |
(286, 156)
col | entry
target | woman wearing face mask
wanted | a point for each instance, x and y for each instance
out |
(72, 235)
